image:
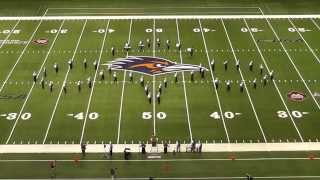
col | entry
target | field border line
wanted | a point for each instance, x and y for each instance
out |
(213, 79)
(274, 82)
(245, 84)
(34, 83)
(123, 87)
(186, 7)
(161, 160)
(184, 83)
(94, 82)
(126, 17)
(61, 89)
(207, 147)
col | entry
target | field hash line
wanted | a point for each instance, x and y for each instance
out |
(123, 87)
(213, 79)
(11, 31)
(274, 82)
(94, 82)
(245, 84)
(64, 81)
(30, 91)
(184, 83)
(20, 56)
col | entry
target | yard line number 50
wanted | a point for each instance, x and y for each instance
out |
(159, 115)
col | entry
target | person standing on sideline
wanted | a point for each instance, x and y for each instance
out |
(110, 149)
(83, 149)
(53, 165)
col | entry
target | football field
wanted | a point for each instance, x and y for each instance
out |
(261, 79)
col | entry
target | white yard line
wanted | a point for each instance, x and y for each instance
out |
(30, 91)
(184, 84)
(151, 17)
(61, 89)
(311, 50)
(7, 37)
(293, 64)
(20, 56)
(244, 82)
(215, 88)
(315, 23)
(94, 82)
(123, 87)
(274, 82)
(154, 80)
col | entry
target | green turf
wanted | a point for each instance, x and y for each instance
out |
(187, 105)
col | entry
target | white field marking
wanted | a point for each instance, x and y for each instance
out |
(122, 91)
(138, 13)
(94, 82)
(169, 7)
(215, 88)
(245, 84)
(6, 38)
(164, 50)
(61, 89)
(186, 178)
(4, 18)
(164, 160)
(30, 91)
(184, 84)
(118, 148)
(274, 82)
(314, 54)
(154, 80)
(20, 56)
(315, 23)
(198, 178)
(295, 67)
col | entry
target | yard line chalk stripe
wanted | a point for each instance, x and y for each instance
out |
(122, 91)
(154, 80)
(245, 84)
(274, 82)
(94, 82)
(293, 64)
(215, 88)
(314, 22)
(30, 91)
(19, 58)
(184, 84)
(61, 89)
(6, 38)
(294, 26)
